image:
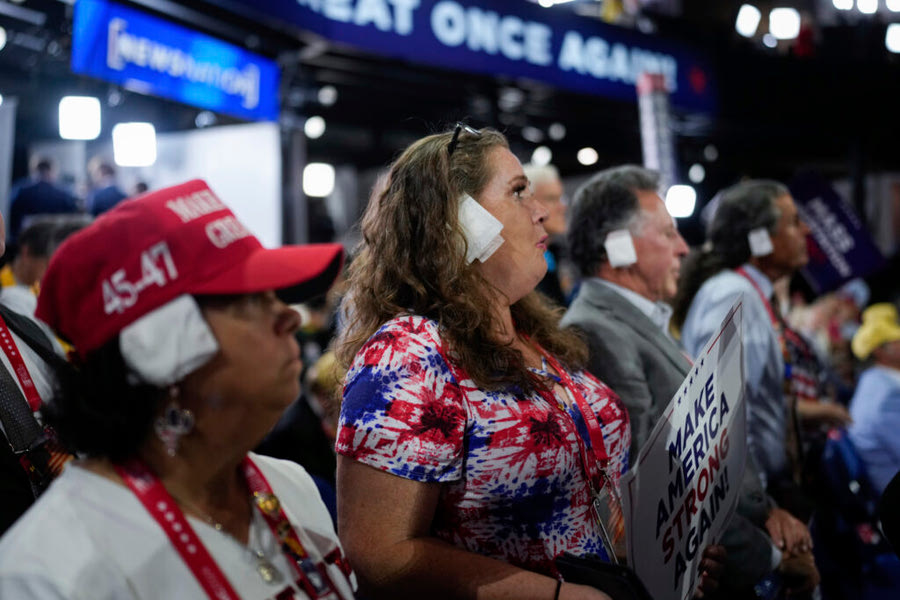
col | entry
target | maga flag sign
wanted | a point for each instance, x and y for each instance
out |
(685, 484)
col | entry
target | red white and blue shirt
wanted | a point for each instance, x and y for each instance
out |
(515, 487)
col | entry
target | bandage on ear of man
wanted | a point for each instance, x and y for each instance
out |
(620, 248)
(760, 242)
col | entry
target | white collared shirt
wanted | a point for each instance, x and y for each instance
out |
(659, 313)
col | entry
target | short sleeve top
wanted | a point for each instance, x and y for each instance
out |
(511, 463)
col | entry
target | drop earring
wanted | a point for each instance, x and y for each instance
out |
(174, 423)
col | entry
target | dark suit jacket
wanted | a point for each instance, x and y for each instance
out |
(103, 199)
(629, 353)
(37, 198)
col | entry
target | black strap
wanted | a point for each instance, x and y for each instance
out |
(32, 334)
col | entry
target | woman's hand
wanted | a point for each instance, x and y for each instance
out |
(787, 532)
(711, 566)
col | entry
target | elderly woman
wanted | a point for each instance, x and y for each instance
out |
(185, 358)
(473, 450)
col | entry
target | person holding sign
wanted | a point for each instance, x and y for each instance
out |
(184, 359)
(622, 310)
(755, 237)
(473, 450)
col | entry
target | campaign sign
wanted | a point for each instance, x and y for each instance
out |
(152, 56)
(685, 484)
(501, 37)
(840, 247)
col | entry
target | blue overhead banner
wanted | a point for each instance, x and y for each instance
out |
(153, 56)
(501, 37)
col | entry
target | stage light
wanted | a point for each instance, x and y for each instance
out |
(314, 127)
(784, 23)
(541, 156)
(587, 156)
(680, 201)
(134, 144)
(747, 20)
(79, 118)
(318, 180)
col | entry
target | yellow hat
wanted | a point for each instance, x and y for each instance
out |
(879, 326)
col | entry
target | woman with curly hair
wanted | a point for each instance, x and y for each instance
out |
(473, 450)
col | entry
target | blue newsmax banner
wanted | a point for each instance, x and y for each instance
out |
(153, 56)
(501, 37)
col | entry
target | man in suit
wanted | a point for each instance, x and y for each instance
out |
(39, 195)
(629, 251)
(106, 192)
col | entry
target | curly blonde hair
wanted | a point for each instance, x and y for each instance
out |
(412, 261)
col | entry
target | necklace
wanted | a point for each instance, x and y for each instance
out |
(267, 571)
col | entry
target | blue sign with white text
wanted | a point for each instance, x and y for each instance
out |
(840, 247)
(501, 37)
(150, 55)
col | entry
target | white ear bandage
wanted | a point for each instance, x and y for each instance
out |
(620, 248)
(760, 242)
(481, 228)
(168, 343)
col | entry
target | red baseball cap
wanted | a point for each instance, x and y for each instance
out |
(149, 250)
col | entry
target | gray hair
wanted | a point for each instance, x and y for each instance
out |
(607, 202)
(743, 208)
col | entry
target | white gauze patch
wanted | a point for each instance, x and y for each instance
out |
(620, 248)
(760, 242)
(168, 343)
(481, 228)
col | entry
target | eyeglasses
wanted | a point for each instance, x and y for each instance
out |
(455, 139)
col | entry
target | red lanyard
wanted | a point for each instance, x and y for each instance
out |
(587, 413)
(776, 322)
(165, 511)
(590, 421)
(18, 364)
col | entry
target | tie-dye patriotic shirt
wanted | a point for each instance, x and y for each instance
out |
(514, 488)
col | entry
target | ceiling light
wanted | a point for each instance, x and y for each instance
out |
(205, 118)
(892, 38)
(769, 40)
(843, 4)
(867, 7)
(134, 144)
(710, 153)
(680, 201)
(696, 173)
(327, 95)
(318, 180)
(747, 20)
(587, 156)
(532, 134)
(314, 127)
(2, 38)
(556, 131)
(784, 23)
(79, 118)
(541, 156)
(893, 5)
